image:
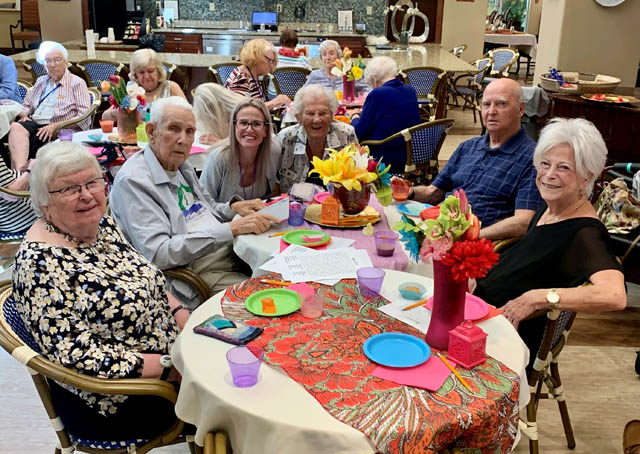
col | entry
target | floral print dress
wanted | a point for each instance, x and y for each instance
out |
(94, 308)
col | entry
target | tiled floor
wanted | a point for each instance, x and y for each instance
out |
(602, 390)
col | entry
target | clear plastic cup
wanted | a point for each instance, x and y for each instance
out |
(312, 303)
(385, 242)
(370, 281)
(65, 135)
(244, 363)
(296, 213)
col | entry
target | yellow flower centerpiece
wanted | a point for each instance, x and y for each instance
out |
(353, 174)
(349, 72)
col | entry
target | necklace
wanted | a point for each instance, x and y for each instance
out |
(552, 219)
(244, 188)
(49, 227)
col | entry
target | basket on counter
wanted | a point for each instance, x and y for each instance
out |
(583, 83)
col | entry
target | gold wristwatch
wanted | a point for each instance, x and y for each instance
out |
(553, 298)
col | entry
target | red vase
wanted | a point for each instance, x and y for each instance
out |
(352, 201)
(448, 306)
(348, 90)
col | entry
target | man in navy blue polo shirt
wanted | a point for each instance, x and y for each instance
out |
(495, 170)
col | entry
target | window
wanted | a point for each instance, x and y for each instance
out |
(515, 12)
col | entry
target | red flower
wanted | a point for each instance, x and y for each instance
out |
(473, 232)
(371, 165)
(114, 79)
(470, 259)
(142, 100)
(113, 102)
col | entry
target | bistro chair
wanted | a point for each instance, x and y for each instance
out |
(97, 71)
(96, 100)
(17, 340)
(187, 275)
(473, 91)
(36, 69)
(23, 87)
(221, 71)
(457, 51)
(423, 143)
(176, 74)
(428, 82)
(28, 27)
(503, 59)
(288, 80)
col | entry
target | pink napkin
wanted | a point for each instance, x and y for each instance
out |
(429, 375)
(95, 150)
(284, 245)
(197, 150)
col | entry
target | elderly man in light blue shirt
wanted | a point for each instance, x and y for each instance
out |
(169, 216)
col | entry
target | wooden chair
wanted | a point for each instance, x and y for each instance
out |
(429, 83)
(191, 278)
(96, 99)
(28, 27)
(423, 143)
(288, 80)
(23, 88)
(221, 71)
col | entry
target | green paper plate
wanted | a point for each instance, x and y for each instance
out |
(286, 301)
(296, 237)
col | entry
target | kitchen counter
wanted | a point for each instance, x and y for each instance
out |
(254, 34)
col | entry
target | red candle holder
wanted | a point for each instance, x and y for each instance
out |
(467, 345)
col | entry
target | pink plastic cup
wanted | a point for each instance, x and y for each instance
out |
(244, 362)
(312, 303)
(370, 281)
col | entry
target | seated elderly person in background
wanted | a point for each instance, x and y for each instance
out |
(495, 170)
(167, 215)
(92, 302)
(315, 132)
(148, 71)
(9, 79)
(329, 52)
(16, 214)
(390, 107)
(288, 55)
(566, 245)
(246, 163)
(212, 106)
(258, 58)
(55, 98)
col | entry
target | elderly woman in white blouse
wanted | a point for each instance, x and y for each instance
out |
(316, 131)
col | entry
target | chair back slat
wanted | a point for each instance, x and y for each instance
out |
(99, 71)
(221, 71)
(23, 89)
(423, 80)
(289, 81)
(481, 64)
(563, 323)
(29, 14)
(13, 318)
(425, 143)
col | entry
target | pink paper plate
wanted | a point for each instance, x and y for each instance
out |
(474, 308)
(320, 196)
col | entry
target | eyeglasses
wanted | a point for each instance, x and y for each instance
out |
(53, 61)
(271, 61)
(322, 114)
(255, 124)
(70, 192)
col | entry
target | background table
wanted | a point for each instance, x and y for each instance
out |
(8, 113)
(278, 414)
(522, 41)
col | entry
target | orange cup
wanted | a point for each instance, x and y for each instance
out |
(106, 125)
(401, 189)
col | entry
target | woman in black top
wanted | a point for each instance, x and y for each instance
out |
(566, 245)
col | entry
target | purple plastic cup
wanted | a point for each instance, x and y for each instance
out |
(296, 213)
(244, 363)
(65, 135)
(385, 242)
(370, 281)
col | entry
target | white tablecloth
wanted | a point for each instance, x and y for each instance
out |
(197, 160)
(8, 113)
(278, 415)
(523, 41)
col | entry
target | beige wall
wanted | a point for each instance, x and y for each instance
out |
(464, 23)
(7, 18)
(535, 10)
(61, 21)
(576, 35)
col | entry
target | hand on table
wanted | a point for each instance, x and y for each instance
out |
(254, 223)
(526, 304)
(208, 139)
(247, 207)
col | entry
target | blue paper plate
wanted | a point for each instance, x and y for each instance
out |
(412, 208)
(396, 350)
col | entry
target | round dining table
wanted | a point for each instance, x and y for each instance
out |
(278, 414)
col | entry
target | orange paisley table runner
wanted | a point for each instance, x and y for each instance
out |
(325, 356)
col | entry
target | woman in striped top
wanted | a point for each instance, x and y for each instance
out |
(258, 57)
(56, 97)
(16, 215)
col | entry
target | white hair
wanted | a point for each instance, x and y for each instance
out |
(589, 149)
(327, 43)
(142, 58)
(159, 107)
(314, 91)
(380, 68)
(53, 160)
(47, 47)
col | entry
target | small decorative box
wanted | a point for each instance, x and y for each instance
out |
(330, 214)
(467, 344)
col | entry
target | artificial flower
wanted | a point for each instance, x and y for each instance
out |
(470, 259)
(344, 67)
(128, 96)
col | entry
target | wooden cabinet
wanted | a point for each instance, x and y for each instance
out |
(185, 43)
(356, 43)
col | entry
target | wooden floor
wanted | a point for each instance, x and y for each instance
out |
(601, 387)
